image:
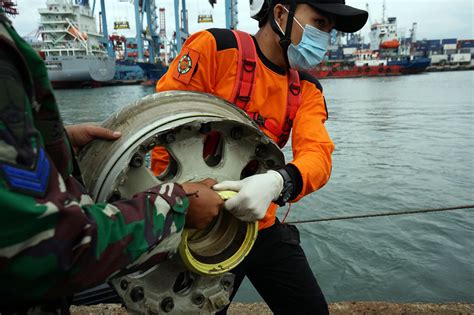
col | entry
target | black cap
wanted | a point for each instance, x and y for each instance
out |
(348, 19)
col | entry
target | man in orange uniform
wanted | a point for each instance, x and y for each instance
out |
(209, 62)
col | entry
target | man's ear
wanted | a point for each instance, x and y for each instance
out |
(280, 15)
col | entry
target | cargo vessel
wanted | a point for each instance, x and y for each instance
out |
(71, 46)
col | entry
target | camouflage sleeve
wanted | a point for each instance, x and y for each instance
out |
(54, 240)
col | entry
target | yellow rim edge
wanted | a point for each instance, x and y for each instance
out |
(219, 268)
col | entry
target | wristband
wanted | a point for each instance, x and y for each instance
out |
(287, 190)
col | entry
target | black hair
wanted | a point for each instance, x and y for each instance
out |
(267, 9)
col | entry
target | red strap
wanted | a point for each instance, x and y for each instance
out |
(246, 70)
(269, 124)
(294, 95)
(276, 130)
(244, 86)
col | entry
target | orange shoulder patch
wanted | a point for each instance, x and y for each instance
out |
(187, 63)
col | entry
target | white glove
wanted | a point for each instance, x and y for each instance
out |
(255, 193)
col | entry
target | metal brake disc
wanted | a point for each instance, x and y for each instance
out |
(197, 280)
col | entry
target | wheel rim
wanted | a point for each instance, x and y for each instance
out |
(179, 121)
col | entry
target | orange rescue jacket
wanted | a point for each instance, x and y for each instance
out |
(208, 63)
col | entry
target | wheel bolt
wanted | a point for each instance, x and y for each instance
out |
(167, 304)
(198, 299)
(236, 133)
(137, 294)
(124, 284)
(261, 151)
(205, 128)
(137, 161)
(270, 163)
(170, 137)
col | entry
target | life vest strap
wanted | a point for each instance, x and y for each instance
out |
(244, 88)
(246, 70)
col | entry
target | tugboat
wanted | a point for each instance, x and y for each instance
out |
(71, 46)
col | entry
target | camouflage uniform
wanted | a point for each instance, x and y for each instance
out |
(54, 240)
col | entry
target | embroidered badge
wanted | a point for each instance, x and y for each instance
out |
(187, 64)
(33, 182)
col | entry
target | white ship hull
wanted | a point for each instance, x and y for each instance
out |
(73, 50)
(80, 68)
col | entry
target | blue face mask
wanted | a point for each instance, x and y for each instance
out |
(310, 51)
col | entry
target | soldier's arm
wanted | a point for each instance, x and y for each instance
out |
(54, 240)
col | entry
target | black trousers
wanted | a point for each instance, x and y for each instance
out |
(278, 269)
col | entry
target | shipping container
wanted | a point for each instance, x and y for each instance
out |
(433, 46)
(447, 47)
(467, 43)
(436, 51)
(349, 51)
(450, 51)
(461, 58)
(439, 60)
(466, 50)
(434, 42)
(449, 41)
(422, 47)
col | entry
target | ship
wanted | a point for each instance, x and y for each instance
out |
(384, 35)
(364, 63)
(9, 7)
(384, 40)
(128, 67)
(71, 46)
(410, 64)
(386, 55)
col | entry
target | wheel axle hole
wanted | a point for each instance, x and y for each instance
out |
(213, 148)
(250, 169)
(183, 282)
(163, 165)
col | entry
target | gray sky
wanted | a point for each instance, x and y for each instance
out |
(436, 18)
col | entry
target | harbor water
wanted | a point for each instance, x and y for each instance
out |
(402, 143)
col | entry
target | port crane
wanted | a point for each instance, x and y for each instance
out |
(146, 12)
(231, 13)
(181, 19)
